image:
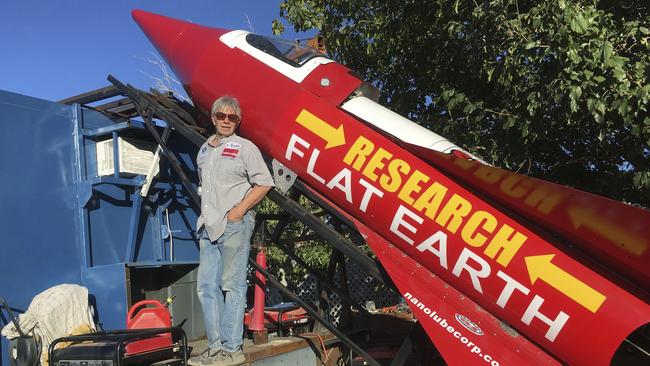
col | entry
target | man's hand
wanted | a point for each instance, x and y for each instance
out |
(251, 199)
(235, 214)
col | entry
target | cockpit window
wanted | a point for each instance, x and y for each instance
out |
(290, 52)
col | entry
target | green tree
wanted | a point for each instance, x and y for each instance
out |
(553, 88)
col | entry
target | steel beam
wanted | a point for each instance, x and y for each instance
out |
(92, 96)
(328, 234)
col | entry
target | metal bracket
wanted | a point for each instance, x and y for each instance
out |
(283, 176)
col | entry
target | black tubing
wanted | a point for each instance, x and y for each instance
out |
(3, 303)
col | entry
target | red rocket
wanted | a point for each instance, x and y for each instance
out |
(499, 268)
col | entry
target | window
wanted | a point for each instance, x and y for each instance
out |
(290, 52)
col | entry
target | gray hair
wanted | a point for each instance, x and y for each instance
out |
(226, 101)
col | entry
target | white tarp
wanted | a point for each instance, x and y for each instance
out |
(54, 313)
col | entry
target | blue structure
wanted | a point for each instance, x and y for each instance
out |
(62, 223)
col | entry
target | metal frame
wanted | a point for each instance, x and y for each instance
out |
(121, 338)
(326, 280)
(87, 183)
(314, 313)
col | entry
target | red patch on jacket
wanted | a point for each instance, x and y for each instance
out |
(230, 153)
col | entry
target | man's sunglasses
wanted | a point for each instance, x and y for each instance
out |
(231, 117)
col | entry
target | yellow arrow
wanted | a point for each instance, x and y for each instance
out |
(334, 136)
(585, 217)
(540, 266)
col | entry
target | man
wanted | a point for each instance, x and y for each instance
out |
(234, 178)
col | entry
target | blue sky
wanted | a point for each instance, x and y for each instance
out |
(56, 49)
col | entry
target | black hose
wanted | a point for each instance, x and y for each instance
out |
(3, 303)
(34, 359)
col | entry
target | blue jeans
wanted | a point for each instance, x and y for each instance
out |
(222, 283)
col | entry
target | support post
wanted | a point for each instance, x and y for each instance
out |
(260, 334)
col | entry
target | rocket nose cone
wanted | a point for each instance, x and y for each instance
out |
(139, 15)
(179, 42)
(161, 30)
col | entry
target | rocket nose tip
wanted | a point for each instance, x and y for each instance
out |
(138, 15)
(162, 31)
(145, 19)
(180, 43)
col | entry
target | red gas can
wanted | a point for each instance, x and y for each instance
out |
(149, 314)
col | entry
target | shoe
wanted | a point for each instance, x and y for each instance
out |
(207, 358)
(232, 358)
